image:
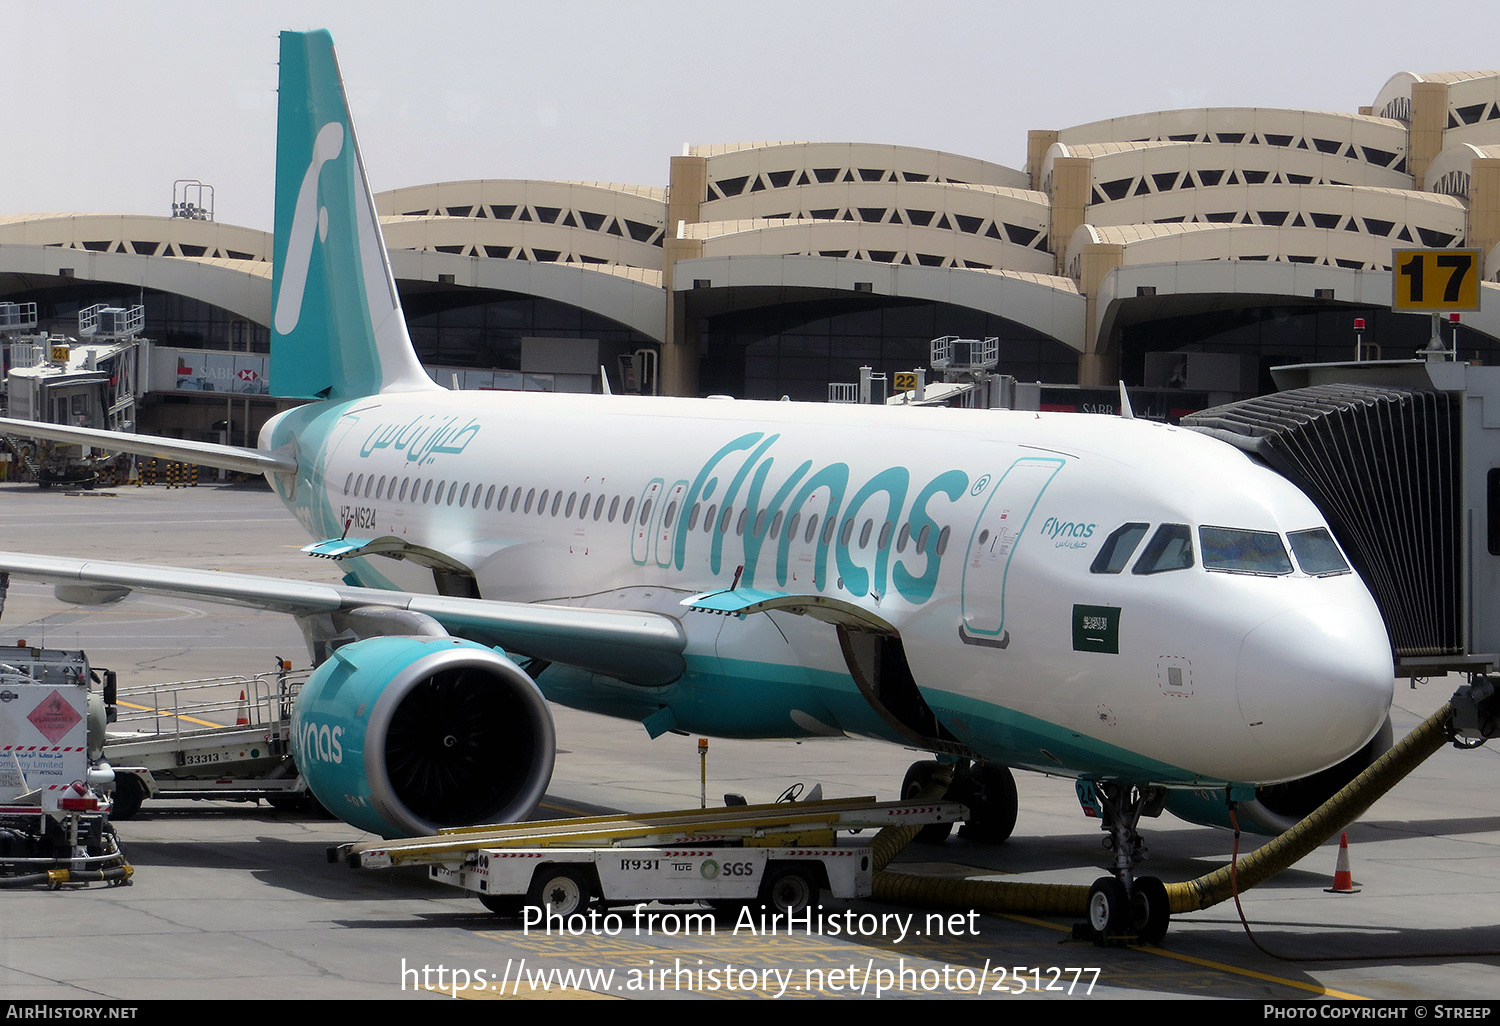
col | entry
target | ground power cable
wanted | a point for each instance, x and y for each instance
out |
(1384, 956)
(1058, 900)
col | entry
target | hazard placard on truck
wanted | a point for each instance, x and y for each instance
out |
(43, 737)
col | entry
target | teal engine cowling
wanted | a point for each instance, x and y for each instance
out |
(402, 736)
(1279, 807)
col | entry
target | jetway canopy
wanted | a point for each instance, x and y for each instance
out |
(1403, 459)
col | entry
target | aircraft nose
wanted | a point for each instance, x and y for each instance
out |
(1314, 684)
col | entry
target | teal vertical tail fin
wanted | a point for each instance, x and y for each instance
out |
(337, 330)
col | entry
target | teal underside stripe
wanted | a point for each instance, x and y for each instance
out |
(746, 698)
(1020, 740)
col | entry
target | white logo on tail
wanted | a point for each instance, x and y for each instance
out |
(328, 145)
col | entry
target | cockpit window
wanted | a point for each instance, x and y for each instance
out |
(1118, 548)
(1245, 552)
(1316, 553)
(1170, 548)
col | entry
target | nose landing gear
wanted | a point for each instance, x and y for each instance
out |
(1123, 908)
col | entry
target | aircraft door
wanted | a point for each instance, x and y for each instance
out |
(671, 511)
(646, 513)
(997, 534)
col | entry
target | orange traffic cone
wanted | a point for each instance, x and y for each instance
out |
(242, 717)
(1343, 880)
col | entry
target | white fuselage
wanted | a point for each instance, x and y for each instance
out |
(974, 534)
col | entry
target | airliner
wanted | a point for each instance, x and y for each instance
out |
(1135, 605)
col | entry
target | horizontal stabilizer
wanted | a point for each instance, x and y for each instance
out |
(209, 454)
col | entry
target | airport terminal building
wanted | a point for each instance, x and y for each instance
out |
(764, 269)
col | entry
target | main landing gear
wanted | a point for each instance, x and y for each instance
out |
(1123, 907)
(987, 789)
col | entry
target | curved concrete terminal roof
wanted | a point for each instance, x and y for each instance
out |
(242, 287)
(1118, 170)
(140, 234)
(1046, 303)
(1450, 171)
(772, 165)
(1255, 202)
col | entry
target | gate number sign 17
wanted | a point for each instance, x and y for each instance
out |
(1435, 280)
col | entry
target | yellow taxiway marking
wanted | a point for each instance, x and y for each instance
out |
(1206, 963)
(168, 712)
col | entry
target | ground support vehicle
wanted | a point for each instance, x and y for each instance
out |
(54, 826)
(780, 855)
(226, 738)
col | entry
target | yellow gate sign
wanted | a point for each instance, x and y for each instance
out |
(1435, 280)
(905, 381)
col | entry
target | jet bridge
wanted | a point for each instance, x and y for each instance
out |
(1403, 459)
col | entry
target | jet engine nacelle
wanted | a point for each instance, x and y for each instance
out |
(1279, 807)
(402, 736)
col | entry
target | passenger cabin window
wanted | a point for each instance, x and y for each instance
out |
(1118, 548)
(1170, 548)
(1317, 554)
(1244, 552)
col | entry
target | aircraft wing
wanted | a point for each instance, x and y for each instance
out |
(641, 647)
(212, 454)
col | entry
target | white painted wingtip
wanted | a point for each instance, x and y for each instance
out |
(1125, 410)
(604, 381)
